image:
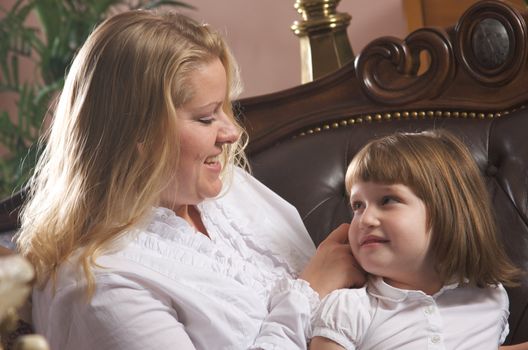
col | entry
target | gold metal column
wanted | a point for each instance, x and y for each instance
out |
(324, 41)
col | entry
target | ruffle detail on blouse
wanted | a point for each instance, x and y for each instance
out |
(264, 346)
(246, 233)
(173, 238)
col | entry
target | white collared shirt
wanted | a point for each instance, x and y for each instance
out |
(383, 317)
(170, 287)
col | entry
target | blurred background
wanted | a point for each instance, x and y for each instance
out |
(258, 32)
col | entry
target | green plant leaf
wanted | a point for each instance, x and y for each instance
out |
(63, 27)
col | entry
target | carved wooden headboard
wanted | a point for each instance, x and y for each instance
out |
(475, 84)
(477, 67)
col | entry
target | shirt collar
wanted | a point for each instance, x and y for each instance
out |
(378, 288)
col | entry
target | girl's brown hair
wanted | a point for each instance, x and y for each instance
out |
(92, 183)
(440, 170)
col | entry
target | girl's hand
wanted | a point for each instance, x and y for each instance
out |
(333, 266)
(521, 346)
(320, 343)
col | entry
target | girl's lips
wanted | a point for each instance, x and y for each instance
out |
(372, 240)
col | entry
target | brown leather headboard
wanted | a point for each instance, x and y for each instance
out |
(302, 139)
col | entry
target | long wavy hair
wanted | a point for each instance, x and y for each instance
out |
(91, 183)
(441, 171)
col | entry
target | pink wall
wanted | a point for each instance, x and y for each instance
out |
(267, 51)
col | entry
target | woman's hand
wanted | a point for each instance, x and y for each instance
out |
(333, 266)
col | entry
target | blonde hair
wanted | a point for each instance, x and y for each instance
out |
(441, 171)
(91, 183)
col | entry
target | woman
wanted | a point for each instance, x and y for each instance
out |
(138, 237)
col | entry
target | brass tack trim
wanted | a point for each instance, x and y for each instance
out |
(378, 117)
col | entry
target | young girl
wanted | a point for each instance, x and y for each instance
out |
(423, 229)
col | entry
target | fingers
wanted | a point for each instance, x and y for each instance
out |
(340, 234)
(358, 277)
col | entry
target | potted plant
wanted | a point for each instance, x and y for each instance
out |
(63, 27)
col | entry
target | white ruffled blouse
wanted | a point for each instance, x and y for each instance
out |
(170, 287)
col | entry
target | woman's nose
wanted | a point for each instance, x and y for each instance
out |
(229, 132)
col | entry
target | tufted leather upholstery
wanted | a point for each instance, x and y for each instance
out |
(303, 138)
(309, 172)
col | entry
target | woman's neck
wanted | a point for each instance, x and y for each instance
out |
(191, 214)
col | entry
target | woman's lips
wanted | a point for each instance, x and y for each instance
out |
(213, 163)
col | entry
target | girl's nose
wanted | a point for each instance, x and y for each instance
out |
(369, 217)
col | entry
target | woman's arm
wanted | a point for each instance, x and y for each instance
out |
(293, 303)
(320, 343)
(121, 315)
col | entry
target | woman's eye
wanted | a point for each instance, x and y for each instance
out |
(206, 120)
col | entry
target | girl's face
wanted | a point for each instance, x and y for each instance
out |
(203, 128)
(389, 236)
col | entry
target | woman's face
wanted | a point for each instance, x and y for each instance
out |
(203, 129)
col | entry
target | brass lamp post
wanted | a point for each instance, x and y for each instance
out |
(323, 37)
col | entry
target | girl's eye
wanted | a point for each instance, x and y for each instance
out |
(356, 206)
(388, 200)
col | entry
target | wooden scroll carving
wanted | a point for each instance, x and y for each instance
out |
(489, 44)
(402, 84)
